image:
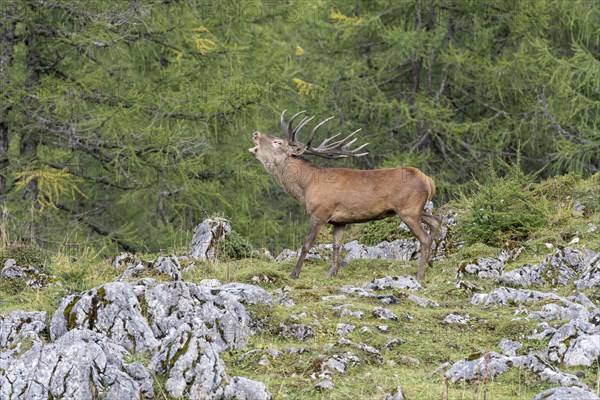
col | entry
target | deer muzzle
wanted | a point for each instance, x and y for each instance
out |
(255, 137)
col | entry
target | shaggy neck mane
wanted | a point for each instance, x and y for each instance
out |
(295, 175)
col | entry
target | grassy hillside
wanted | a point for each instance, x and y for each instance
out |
(565, 211)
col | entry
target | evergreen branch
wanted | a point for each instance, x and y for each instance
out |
(98, 180)
(557, 127)
(481, 102)
(178, 115)
(123, 245)
(89, 16)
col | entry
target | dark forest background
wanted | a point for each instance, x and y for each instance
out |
(124, 124)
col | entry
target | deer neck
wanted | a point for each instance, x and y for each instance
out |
(294, 175)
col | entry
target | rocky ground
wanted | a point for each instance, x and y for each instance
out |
(520, 325)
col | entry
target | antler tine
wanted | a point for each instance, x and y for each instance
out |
(283, 124)
(301, 125)
(338, 149)
(341, 142)
(289, 133)
(327, 149)
(312, 133)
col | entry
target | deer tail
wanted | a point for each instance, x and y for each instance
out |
(430, 189)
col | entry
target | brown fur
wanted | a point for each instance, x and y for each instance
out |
(341, 196)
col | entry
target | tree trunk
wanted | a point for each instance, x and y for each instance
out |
(30, 138)
(6, 58)
(417, 63)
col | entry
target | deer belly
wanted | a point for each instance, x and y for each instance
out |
(357, 215)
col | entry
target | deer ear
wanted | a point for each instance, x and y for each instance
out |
(296, 150)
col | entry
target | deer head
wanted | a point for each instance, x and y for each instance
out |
(273, 151)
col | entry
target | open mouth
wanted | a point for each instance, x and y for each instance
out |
(254, 150)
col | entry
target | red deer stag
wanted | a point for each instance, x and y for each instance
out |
(341, 196)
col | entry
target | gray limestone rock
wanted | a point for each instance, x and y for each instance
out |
(553, 311)
(340, 362)
(393, 343)
(486, 365)
(399, 250)
(124, 260)
(577, 343)
(457, 319)
(324, 385)
(244, 293)
(79, 365)
(241, 388)
(18, 325)
(12, 271)
(195, 370)
(421, 301)
(135, 268)
(566, 393)
(169, 266)
(297, 331)
(590, 279)
(478, 366)
(345, 329)
(221, 318)
(183, 326)
(510, 296)
(344, 310)
(395, 394)
(509, 347)
(358, 291)
(369, 350)
(384, 313)
(558, 268)
(206, 237)
(286, 255)
(34, 278)
(526, 276)
(394, 282)
(113, 309)
(484, 268)
(138, 316)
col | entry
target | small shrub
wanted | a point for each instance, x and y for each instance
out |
(12, 287)
(506, 208)
(25, 256)
(235, 247)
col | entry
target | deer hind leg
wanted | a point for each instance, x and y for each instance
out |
(315, 228)
(338, 234)
(414, 224)
(434, 225)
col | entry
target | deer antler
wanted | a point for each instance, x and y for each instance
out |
(337, 149)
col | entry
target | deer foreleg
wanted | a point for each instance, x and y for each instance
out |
(315, 228)
(338, 234)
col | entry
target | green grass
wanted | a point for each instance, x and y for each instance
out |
(427, 339)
